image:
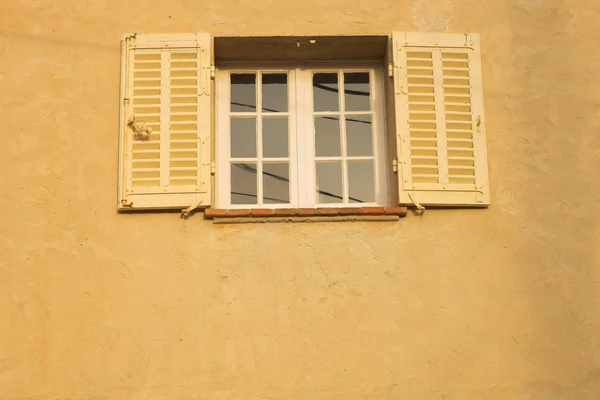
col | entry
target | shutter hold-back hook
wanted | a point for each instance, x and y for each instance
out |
(140, 130)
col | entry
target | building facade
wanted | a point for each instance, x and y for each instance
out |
(500, 302)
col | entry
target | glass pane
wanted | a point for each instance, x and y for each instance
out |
(325, 88)
(243, 183)
(243, 137)
(357, 91)
(275, 137)
(327, 137)
(358, 135)
(276, 183)
(329, 182)
(243, 92)
(274, 93)
(361, 182)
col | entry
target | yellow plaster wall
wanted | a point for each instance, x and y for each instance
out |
(502, 303)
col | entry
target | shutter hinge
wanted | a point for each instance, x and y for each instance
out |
(212, 168)
(468, 41)
(126, 203)
(140, 130)
(394, 73)
(213, 72)
(395, 165)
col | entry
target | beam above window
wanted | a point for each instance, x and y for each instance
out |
(299, 48)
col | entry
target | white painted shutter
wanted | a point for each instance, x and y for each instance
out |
(166, 87)
(440, 125)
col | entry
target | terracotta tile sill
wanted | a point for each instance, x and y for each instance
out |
(219, 215)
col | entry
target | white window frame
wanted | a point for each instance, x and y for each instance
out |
(301, 144)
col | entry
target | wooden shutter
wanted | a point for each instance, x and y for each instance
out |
(164, 143)
(439, 119)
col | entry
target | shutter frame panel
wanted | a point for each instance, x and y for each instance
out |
(166, 85)
(440, 126)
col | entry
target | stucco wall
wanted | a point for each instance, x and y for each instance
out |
(502, 303)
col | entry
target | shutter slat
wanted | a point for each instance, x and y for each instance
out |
(439, 119)
(455, 69)
(181, 96)
(424, 148)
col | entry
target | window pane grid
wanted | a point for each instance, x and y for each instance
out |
(354, 115)
(269, 172)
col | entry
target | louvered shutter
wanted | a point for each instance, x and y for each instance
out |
(440, 125)
(164, 146)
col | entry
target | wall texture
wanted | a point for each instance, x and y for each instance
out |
(502, 303)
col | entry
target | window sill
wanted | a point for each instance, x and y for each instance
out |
(219, 215)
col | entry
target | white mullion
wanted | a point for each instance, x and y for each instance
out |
(327, 113)
(292, 149)
(243, 114)
(378, 132)
(374, 138)
(342, 121)
(254, 159)
(334, 113)
(223, 138)
(354, 158)
(305, 139)
(355, 114)
(165, 118)
(340, 158)
(259, 158)
(243, 160)
(275, 114)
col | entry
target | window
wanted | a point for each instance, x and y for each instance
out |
(301, 137)
(302, 133)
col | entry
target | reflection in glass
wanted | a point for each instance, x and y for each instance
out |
(243, 92)
(359, 139)
(329, 182)
(361, 188)
(274, 93)
(275, 137)
(327, 137)
(276, 183)
(325, 89)
(243, 183)
(357, 91)
(243, 137)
